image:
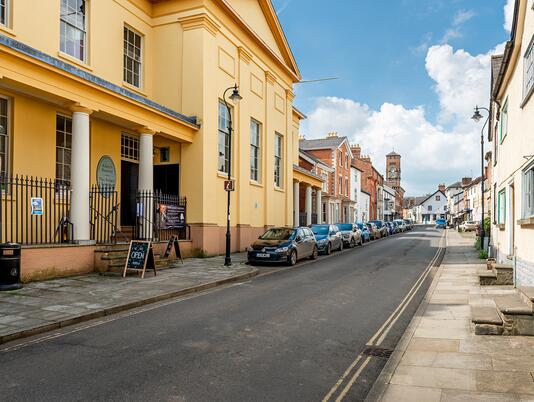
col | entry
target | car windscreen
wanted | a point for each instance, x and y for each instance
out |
(278, 234)
(320, 230)
(377, 223)
(345, 226)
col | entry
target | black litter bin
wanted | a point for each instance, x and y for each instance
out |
(10, 266)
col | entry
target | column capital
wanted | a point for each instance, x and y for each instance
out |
(79, 108)
(270, 77)
(146, 130)
(200, 20)
(290, 95)
(244, 54)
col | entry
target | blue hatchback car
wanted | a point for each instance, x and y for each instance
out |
(365, 232)
(441, 223)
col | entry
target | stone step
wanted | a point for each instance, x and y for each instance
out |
(485, 315)
(487, 278)
(517, 315)
(512, 305)
(505, 274)
(527, 295)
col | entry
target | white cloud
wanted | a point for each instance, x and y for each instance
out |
(509, 15)
(462, 16)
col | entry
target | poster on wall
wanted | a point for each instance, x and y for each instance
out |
(171, 216)
(37, 206)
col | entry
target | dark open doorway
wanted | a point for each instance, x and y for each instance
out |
(167, 179)
(129, 186)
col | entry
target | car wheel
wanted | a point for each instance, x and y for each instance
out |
(341, 246)
(315, 252)
(352, 243)
(292, 258)
(329, 249)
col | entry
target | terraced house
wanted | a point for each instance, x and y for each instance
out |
(118, 107)
(512, 136)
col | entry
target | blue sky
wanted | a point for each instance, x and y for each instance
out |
(389, 53)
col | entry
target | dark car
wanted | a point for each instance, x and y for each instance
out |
(381, 227)
(366, 235)
(351, 234)
(391, 228)
(283, 245)
(328, 238)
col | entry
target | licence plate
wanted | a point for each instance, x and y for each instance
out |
(261, 255)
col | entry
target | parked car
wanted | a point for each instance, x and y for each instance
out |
(469, 226)
(391, 227)
(283, 245)
(373, 231)
(402, 225)
(409, 224)
(384, 232)
(441, 223)
(366, 235)
(351, 234)
(328, 238)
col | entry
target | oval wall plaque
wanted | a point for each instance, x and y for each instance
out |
(105, 172)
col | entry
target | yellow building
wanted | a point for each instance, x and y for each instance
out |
(136, 86)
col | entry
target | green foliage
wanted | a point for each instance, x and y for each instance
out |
(483, 254)
(478, 243)
(487, 225)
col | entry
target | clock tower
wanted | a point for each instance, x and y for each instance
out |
(393, 169)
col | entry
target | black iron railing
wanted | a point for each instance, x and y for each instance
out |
(104, 207)
(160, 216)
(34, 210)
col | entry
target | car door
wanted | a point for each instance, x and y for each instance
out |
(310, 240)
(300, 242)
(337, 237)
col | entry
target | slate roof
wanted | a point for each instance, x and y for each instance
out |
(314, 158)
(393, 153)
(496, 62)
(322, 143)
(458, 184)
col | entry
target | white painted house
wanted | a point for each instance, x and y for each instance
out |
(355, 191)
(389, 202)
(363, 212)
(431, 208)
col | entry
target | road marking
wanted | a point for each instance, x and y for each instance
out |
(382, 331)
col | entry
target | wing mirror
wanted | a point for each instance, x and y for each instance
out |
(299, 238)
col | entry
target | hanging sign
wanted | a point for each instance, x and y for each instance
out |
(140, 257)
(229, 185)
(37, 205)
(106, 174)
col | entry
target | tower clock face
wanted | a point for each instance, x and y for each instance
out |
(393, 172)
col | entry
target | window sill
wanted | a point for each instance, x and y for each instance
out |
(526, 222)
(224, 176)
(501, 226)
(133, 88)
(279, 189)
(255, 183)
(74, 60)
(7, 30)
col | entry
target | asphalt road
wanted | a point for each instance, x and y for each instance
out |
(287, 335)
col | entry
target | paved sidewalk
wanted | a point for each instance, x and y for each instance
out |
(47, 305)
(440, 359)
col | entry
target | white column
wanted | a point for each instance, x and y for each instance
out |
(296, 206)
(319, 206)
(308, 204)
(80, 172)
(146, 179)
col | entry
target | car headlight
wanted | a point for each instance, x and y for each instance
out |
(322, 241)
(282, 250)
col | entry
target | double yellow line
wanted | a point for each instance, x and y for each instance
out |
(380, 335)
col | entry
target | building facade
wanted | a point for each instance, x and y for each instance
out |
(511, 133)
(146, 112)
(356, 189)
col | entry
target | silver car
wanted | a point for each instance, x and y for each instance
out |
(351, 234)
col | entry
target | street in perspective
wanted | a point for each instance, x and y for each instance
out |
(266, 200)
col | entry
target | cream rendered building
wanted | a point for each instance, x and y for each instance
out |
(512, 133)
(141, 83)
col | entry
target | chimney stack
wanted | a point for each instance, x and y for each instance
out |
(356, 151)
(441, 188)
(466, 181)
(302, 137)
(332, 134)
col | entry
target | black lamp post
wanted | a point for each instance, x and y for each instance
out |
(477, 117)
(234, 98)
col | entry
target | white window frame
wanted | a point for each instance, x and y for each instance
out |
(278, 159)
(224, 133)
(64, 21)
(127, 30)
(528, 191)
(61, 180)
(255, 151)
(4, 12)
(528, 74)
(501, 205)
(7, 134)
(129, 147)
(504, 121)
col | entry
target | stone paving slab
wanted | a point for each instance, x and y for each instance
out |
(440, 358)
(41, 306)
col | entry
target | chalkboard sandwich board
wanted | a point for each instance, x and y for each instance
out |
(173, 241)
(140, 257)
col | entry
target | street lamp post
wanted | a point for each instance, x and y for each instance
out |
(477, 117)
(234, 98)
